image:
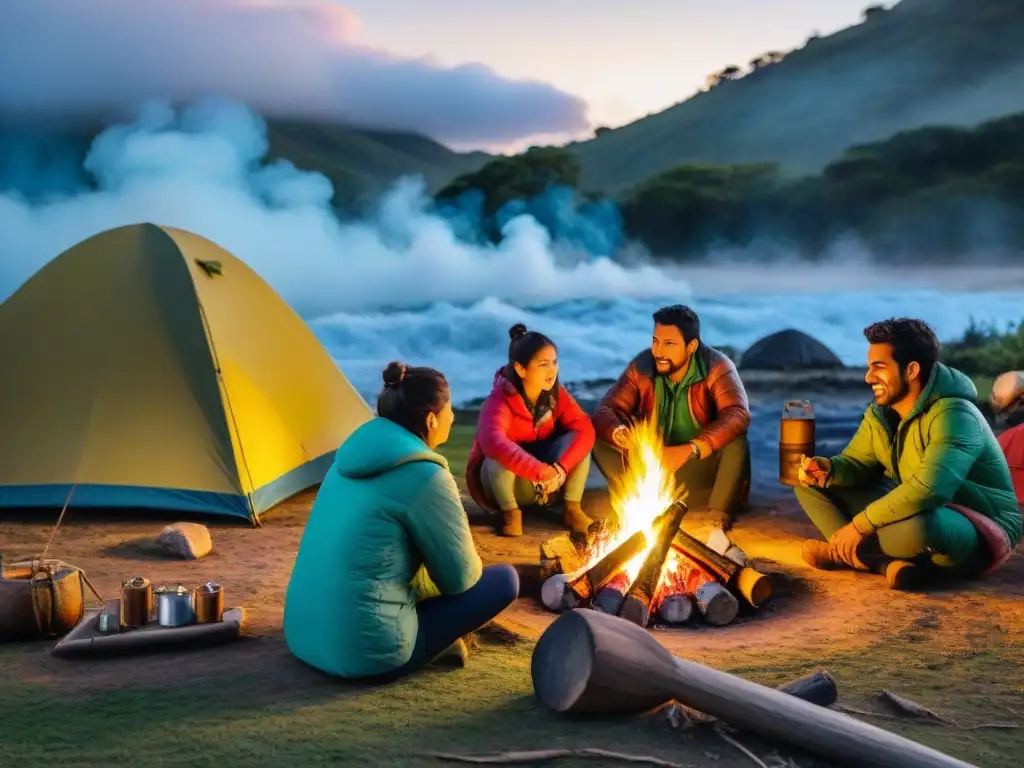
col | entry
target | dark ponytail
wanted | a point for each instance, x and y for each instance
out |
(524, 345)
(409, 394)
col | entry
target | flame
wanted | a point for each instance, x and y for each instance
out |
(647, 489)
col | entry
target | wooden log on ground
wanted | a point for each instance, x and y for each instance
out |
(565, 553)
(675, 608)
(736, 554)
(589, 662)
(718, 541)
(722, 567)
(587, 584)
(555, 596)
(716, 604)
(636, 606)
(818, 688)
(755, 587)
(609, 598)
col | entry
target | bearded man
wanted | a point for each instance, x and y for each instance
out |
(696, 396)
(923, 488)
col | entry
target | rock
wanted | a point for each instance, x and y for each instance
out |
(188, 541)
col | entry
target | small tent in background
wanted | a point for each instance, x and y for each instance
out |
(146, 367)
(789, 350)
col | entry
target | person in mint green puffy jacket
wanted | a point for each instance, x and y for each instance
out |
(387, 577)
(923, 489)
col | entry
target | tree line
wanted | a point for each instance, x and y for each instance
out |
(927, 194)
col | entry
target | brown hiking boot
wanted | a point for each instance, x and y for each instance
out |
(903, 575)
(455, 655)
(574, 518)
(816, 554)
(512, 522)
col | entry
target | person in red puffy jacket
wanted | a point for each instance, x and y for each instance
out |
(533, 440)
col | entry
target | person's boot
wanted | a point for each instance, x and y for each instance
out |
(574, 518)
(817, 555)
(455, 655)
(903, 575)
(512, 522)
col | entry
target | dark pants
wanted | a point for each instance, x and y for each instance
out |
(443, 620)
(941, 536)
(717, 482)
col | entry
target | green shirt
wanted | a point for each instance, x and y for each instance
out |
(672, 404)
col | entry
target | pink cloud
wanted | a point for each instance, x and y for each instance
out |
(72, 57)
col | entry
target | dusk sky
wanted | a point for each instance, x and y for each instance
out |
(624, 58)
(470, 73)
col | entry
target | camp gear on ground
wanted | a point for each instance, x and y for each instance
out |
(174, 606)
(387, 526)
(46, 599)
(136, 602)
(208, 602)
(87, 640)
(154, 382)
(796, 439)
(1007, 391)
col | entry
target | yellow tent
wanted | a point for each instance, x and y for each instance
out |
(147, 367)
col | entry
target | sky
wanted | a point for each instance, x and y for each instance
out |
(470, 73)
(625, 59)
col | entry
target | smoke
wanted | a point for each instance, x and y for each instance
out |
(201, 169)
(67, 59)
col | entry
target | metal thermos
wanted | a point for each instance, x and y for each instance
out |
(136, 602)
(796, 439)
(174, 606)
(209, 603)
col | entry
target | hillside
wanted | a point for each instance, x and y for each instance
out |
(923, 62)
(359, 162)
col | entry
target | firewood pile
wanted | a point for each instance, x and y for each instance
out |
(679, 578)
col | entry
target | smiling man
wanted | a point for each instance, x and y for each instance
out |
(923, 488)
(701, 408)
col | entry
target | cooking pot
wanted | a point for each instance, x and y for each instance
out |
(174, 606)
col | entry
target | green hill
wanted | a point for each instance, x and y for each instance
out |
(922, 62)
(360, 162)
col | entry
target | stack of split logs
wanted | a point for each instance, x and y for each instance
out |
(680, 576)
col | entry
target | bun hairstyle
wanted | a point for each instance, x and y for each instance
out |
(524, 345)
(410, 393)
(394, 374)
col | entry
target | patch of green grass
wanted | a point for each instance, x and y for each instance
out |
(489, 706)
(456, 450)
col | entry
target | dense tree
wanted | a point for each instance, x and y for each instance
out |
(873, 11)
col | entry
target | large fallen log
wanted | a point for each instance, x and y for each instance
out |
(589, 662)
(636, 606)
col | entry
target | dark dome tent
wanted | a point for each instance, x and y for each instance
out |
(789, 350)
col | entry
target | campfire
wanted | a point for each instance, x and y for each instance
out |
(647, 565)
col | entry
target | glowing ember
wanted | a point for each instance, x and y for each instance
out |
(648, 489)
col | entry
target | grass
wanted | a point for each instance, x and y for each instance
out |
(969, 671)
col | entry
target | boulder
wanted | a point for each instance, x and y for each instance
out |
(187, 541)
(789, 350)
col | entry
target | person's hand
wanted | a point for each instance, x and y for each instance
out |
(843, 545)
(555, 483)
(620, 436)
(675, 456)
(814, 471)
(548, 473)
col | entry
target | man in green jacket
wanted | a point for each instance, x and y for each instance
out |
(923, 487)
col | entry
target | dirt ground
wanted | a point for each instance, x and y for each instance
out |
(811, 610)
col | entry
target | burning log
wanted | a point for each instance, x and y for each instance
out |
(636, 606)
(753, 586)
(609, 598)
(555, 596)
(675, 608)
(719, 541)
(587, 584)
(565, 553)
(588, 662)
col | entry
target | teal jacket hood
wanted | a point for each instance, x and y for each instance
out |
(379, 446)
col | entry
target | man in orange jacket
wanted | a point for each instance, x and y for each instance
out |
(696, 395)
